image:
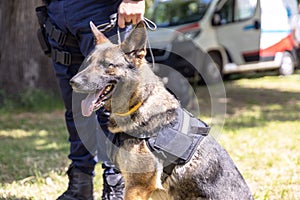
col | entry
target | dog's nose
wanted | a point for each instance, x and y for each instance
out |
(77, 81)
(74, 83)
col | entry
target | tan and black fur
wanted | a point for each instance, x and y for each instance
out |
(139, 104)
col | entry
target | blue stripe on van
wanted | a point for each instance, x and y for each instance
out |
(275, 31)
(249, 27)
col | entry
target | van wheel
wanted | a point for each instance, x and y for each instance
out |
(212, 69)
(287, 64)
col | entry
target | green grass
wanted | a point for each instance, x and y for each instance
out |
(34, 100)
(33, 156)
(261, 133)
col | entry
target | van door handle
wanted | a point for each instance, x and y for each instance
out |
(255, 25)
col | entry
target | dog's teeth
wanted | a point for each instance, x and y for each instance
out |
(108, 88)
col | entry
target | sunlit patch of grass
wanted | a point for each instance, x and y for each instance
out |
(43, 186)
(33, 148)
(280, 83)
(33, 156)
(267, 157)
(261, 133)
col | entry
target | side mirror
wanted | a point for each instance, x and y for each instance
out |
(216, 19)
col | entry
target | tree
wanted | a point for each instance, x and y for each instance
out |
(22, 63)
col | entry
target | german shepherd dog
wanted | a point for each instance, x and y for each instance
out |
(119, 78)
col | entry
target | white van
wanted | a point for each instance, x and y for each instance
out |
(239, 35)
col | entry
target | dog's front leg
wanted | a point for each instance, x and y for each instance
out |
(136, 193)
(139, 168)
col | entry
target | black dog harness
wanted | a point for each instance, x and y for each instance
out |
(174, 144)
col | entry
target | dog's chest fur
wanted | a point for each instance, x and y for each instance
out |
(139, 166)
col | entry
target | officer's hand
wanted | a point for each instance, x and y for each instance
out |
(130, 12)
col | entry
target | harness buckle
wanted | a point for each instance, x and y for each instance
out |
(55, 34)
(61, 57)
(67, 58)
(59, 36)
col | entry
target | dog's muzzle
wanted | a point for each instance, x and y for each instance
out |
(95, 99)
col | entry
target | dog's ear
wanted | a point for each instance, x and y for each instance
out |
(135, 44)
(99, 37)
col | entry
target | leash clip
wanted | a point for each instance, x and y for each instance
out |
(108, 25)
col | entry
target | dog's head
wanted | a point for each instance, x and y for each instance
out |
(108, 66)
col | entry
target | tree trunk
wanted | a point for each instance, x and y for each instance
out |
(22, 62)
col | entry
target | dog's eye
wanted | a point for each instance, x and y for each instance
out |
(110, 69)
(111, 65)
(131, 66)
(116, 65)
(105, 64)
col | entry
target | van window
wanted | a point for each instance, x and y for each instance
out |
(225, 10)
(235, 10)
(244, 9)
(176, 12)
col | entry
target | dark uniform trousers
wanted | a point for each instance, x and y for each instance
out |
(73, 17)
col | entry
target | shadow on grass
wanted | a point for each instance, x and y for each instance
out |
(14, 198)
(250, 106)
(256, 107)
(32, 144)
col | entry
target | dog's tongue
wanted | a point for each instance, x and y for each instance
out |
(87, 105)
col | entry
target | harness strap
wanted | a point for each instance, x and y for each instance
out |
(185, 123)
(177, 145)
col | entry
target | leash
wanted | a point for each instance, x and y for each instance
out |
(152, 27)
(105, 27)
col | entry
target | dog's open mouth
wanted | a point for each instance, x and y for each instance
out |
(96, 100)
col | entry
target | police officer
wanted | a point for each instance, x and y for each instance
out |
(70, 38)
